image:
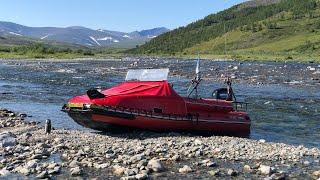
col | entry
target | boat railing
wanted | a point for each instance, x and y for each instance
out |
(192, 117)
(240, 106)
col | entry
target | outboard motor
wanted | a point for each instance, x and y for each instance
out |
(221, 93)
(225, 93)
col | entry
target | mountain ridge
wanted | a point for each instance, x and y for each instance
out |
(80, 35)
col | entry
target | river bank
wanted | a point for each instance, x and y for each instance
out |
(246, 57)
(26, 151)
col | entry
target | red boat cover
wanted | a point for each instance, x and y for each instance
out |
(140, 95)
(149, 88)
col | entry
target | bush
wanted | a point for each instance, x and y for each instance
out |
(88, 53)
(5, 49)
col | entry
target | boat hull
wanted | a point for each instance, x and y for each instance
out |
(110, 120)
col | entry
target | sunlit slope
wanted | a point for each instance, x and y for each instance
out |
(287, 29)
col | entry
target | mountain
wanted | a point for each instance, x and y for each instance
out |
(259, 28)
(80, 35)
(151, 33)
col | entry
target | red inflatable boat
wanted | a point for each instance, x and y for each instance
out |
(147, 101)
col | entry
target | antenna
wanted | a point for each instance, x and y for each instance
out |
(198, 68)
(197, 79)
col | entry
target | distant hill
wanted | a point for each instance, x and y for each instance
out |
(259, 28)
(80, 35)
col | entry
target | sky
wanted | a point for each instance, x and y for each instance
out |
(118, 15)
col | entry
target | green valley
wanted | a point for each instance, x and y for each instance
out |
(255, 30)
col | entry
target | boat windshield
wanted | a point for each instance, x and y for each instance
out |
(147, 75)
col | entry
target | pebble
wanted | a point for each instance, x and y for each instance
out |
(316, 174)
(155, 165)
(74, 163)
(176, 158)
(185, 169)
(76, 171)
(130, 172)
(4, 172)
(278, 176)
(32, 164)
(118, 170)
(141, 176)
(24, 171)
(214, 172)
(262, 140)
(55, 170)
(232, 172)
(265, 170)
(306, 163)
(43, 175)
(7, 139)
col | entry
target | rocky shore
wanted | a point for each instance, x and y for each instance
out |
(26, 151)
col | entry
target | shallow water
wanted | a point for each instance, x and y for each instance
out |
(284, 97)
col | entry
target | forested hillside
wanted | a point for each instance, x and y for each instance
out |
(266, 28)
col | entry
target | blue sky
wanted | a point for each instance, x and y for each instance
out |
(119, 15)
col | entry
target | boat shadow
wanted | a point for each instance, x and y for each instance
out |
(130, 133)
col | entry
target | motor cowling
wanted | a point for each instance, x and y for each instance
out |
(221, 93)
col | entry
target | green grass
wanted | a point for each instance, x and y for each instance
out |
(45, 51)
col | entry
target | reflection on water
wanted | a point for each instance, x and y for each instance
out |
(284, 98)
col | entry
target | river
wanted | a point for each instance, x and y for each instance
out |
(284, 97)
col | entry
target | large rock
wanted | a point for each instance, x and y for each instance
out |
(7, 139)
(155, 165)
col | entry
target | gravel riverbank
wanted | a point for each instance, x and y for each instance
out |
(26, 151)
